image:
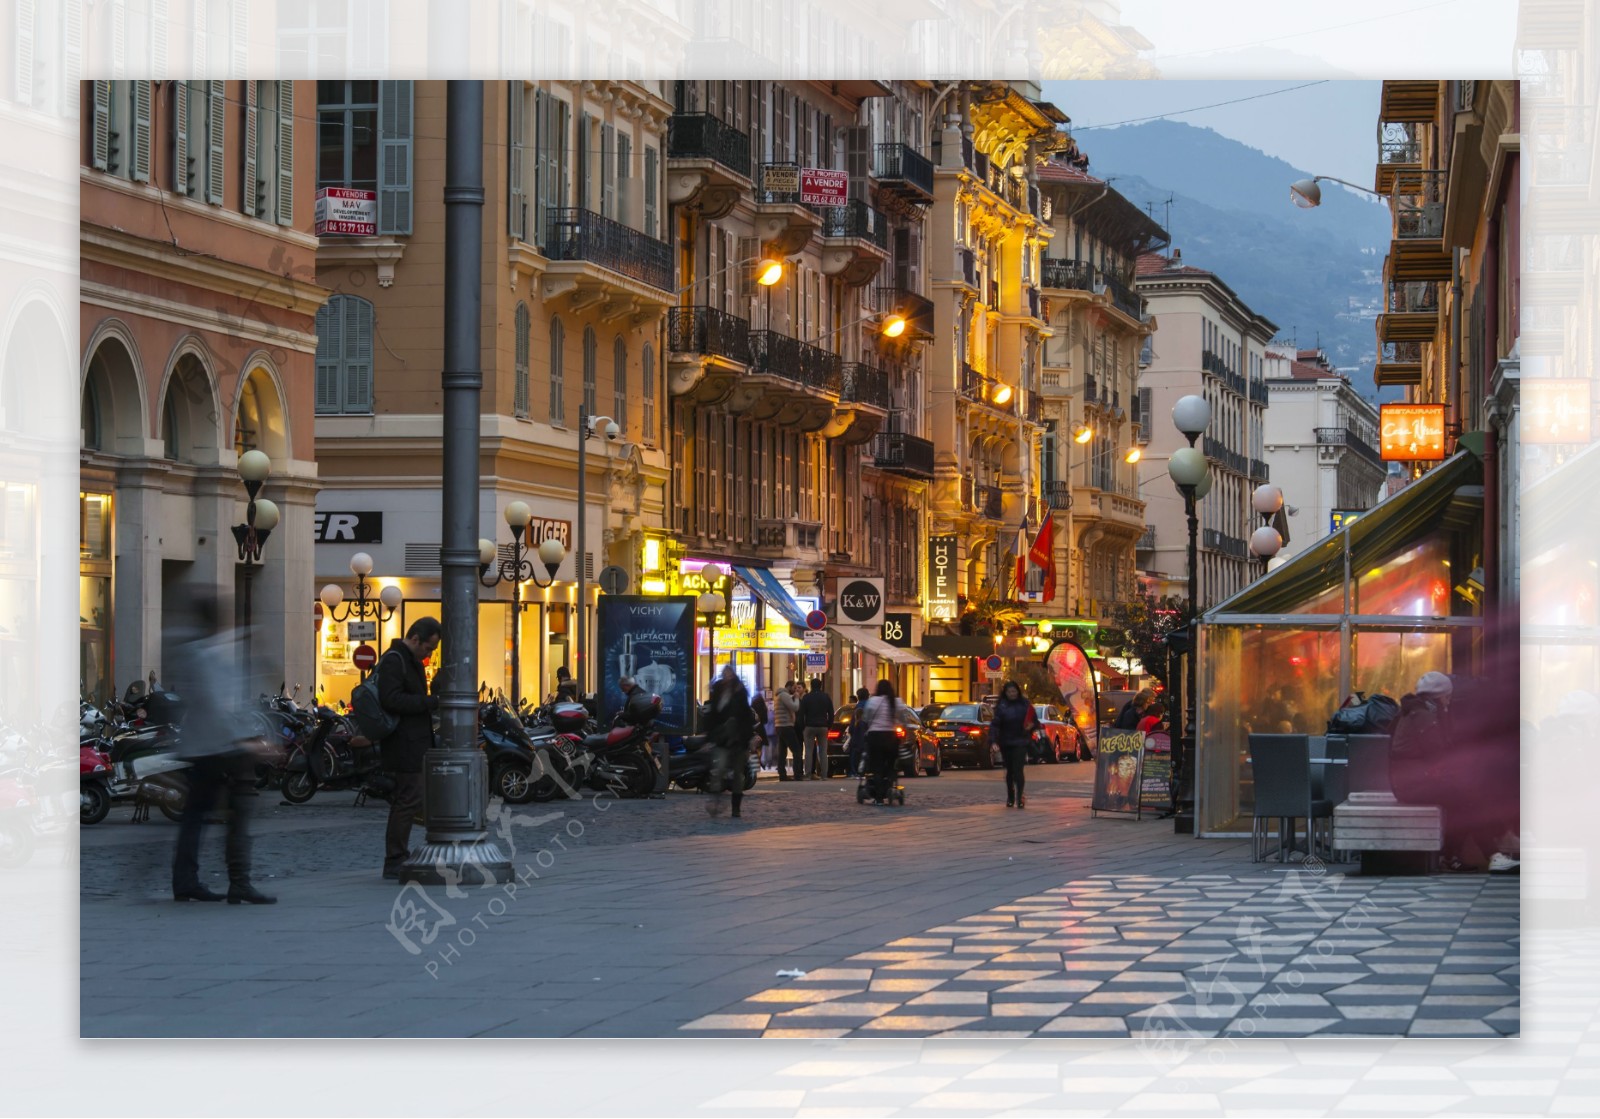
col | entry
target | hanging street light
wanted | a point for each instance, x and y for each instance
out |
(517, 569)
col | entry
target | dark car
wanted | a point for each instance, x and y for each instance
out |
(924, 758)
(962, 731)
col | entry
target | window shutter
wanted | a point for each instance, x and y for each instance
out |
(651, 175)
(648, 420)
(119, 39)
(71, 57)
(590, 358)
(857, 160)
(180, 138)
(201, 43)
(239, 39)
(394, 157)
(285, 190)
(23, 53)
(216, 121)
(158, 38)
(619, 384)
(541, 174)
(141, 131)
(608, 182)
(524, 327)
(252, 95)
(100, 126)
(516, 199)
(748, 248)
(583, 161)
(358, 328)
(330, 336)
(558, 340)
(625, 185)
(563, 120)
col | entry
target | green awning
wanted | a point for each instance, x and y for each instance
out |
(1312, 583)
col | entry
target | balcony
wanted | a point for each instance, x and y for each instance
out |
(967, 267)
(707, 350)
(1411, 312)
(1259, 471)
(1031, 302)
(708, 163)
(1399, 149)
(903, 174)
(917, 309)
(1399, 363)
(1417, 250)
(1058, 495)
(1218, 541)
(855, 242)
(782, 223)
(900, 453)
(1122, 512)
(1259, 394)
(1222, 456)
(598, 262)
(779, 355)
(785, 539)
(1124, 298)
(1147, 540)
(792, 383)
(863, 404)
(987, 501)
(1346, 437)
(1069, 275)
(971, 382)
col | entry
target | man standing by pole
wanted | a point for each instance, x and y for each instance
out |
(455, 778)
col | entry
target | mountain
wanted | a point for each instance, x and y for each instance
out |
(1316, 273)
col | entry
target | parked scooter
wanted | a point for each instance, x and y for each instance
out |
(690, 761)
(94, 783)
(337, 756)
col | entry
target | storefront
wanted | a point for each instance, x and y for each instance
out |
(96, 552)
(1369, 608)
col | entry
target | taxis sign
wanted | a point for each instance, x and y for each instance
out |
(1411, 432)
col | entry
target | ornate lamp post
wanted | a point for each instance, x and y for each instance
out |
(260, 518)
(363, 606)
(1266, 541)
(708, 606)
(1189, 471)
(518, 569)
(588, 426)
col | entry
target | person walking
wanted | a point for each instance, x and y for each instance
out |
(816, 716)
(881, 714)
(784, 718)
(858, 733)
(1012, 728)
(403, 691)
(209, 674)
(730, 724)
(758, 709)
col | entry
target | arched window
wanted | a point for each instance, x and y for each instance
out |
(520, 391)
(345, 327)
(91, 417)
(619, 384)
(172, 426)
(648, 419)
(590, 357)
(558, 342)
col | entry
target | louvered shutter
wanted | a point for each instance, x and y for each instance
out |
(252, 112)
(23, 51)
(285, 189)
(541, 173)
(239, 39)
(100, 126)
(516, 196)
(358, 356)
(71, 57)
(608, 182)
(330, 338)
(141, 132)
(216, 122)
(748, 248)
(583, 161)
(857, 160)
(625, 185)
(180, 138)
(524, 329)
(201, 42)
(394, 157)
(119, 38)
(563, 119)
(158, 38)
(651, 175)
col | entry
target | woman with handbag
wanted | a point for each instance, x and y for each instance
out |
(1012, 728)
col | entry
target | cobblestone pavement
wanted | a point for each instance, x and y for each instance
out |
(641, 918)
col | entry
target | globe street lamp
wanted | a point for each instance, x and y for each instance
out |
(1189, 471)
(1306, 194)
(260, 518)
(1266, 541)
(363, 606)
(708, 606)
(518, 569)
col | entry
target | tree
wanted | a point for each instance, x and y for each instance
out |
(1139, 628)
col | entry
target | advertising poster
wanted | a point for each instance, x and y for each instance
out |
(651, 639)
(1116, 772)
(1155, 773)
(1069, 667)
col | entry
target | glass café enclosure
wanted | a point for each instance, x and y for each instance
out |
(1391, 595)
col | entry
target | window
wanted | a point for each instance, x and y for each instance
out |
(120, 129)
(520, 391)
(199, 110)
(345, 327)
(364, 143)
(651, 160)
(269, 193)
(551, 118)
(619, 384)
(558, 342)
(624, 177)
(590, 357)
(648, 419)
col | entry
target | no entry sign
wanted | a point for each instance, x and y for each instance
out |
(364, 657)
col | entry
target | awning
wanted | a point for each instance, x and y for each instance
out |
(957, 645)
(864, 638)
(772, 592)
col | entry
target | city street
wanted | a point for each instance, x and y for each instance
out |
(950, 916)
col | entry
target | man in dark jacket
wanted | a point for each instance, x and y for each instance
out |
(1132, 711)
(816, 716)
(403, 691)
(729, 726)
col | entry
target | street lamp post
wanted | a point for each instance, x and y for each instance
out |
(260, 518)
(1189, 471)
(587, 426)
(1266, 541)
(708, 606)
(518, 569)
(363, 606)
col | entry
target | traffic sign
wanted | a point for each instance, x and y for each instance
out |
(361, 631)
(613, 579)
(817, 661)
(816, 638)
(992, 664)
(816, 620)
(364, 657)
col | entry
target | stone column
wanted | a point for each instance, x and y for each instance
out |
(137, 583)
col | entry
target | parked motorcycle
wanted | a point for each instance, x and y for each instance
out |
(691, 759)
(337, 757)
(94, 783)
(532, 764)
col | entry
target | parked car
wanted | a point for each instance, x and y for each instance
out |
(1055, 739)
(925, 758)
(962, 731)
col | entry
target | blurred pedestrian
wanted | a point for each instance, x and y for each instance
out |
(882, 714)
(758, 709)
(858, 733)
(784, 717)
(209, 672)
(816, 716)
(403, 691)
(730, 724)
(1012, 727)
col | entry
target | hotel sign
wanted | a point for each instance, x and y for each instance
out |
(1411, 432)
(942, 605)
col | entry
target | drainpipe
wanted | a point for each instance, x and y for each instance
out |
(1491, 441)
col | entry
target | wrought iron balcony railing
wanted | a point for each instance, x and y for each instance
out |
(899, 163)
(1219, 541)
(987, 501)
(971, 382)
(573, 234)
(1399, 143)
(1401, 353)
(1418, 204)
(1147, 540)
(1218, 453)
(703, 136)
(706, 330)
(1058, 495)
(794, 360)
(1073, 275)
(774, 173)
(862, 384)
(1347, 437)
(1258, 392)
(855, 219)
(917, 309)
(1413, 297)
(1124, 298)
(903, 453)
(1259, 471)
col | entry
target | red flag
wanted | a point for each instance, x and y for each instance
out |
(1043, 552)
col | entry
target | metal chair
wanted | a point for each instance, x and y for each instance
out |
(1369, 765)
(1281, 765)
